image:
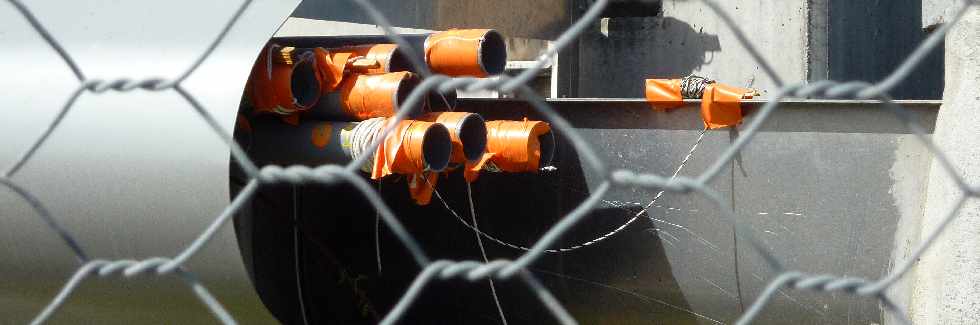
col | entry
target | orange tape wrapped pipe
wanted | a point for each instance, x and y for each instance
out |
(466, 52)
(363, 96)
(416, 148)
(515, 146)
(372, 58)
(281, 84)
(413, 147)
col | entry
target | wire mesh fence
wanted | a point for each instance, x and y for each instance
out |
(501, 270)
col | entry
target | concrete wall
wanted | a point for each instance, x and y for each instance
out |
(935, 12)
(947, 285)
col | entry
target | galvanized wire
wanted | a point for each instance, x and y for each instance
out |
(498, 269)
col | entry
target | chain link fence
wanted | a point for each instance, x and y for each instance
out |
(501, 270)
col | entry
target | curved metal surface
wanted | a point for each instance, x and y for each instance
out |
(130, 175)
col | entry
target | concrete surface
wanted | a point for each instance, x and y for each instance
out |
(935, 12)
(947, 284)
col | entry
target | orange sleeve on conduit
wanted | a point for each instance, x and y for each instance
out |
(401, 151)
(421, 186)
(381, 53)
(365, 96)
(271, 92)
(331, 68)
(514, 144)
(663, 94)
(456, 52)
(473, 168)
(721, 105)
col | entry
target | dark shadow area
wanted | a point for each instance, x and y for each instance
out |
(869, 39)
(624, 56)
(631, 8)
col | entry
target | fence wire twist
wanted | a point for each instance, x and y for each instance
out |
(497, 269)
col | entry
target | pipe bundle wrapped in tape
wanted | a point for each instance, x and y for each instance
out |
(720, 103)
(328, 85)
(369, 81)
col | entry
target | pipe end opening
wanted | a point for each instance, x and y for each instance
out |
(493, 53)
(304, 85)
(436, 147)
(473, 134)
(547, 143)
(405, 88)
(398, 62)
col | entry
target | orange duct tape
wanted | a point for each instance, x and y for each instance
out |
(419, 149)
(721, 105)
(466, 52)
(374, 58)
(281, 84)
(664, 94)
(413, 147)
(363, 96)
(330, 68)
(421, 186)
(519, 146)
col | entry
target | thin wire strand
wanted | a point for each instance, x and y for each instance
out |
(617, 230)
(483, 251)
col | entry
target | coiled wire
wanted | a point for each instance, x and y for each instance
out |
(692, 86)
(362, 136)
